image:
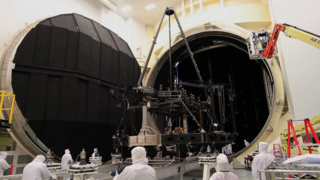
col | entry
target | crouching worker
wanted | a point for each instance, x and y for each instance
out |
(139, 169)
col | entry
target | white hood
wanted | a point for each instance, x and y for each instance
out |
(67, 151)
(3, 155)
(138, 155)
(39, 158)
(222, 162)
(246, 143)
(263, 147)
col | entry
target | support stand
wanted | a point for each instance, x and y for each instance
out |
(169, 11)
(306, 124)
(208, 163)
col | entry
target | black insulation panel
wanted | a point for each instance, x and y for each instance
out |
(67, 70)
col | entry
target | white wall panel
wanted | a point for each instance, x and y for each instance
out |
(299, 60)
(15, 13)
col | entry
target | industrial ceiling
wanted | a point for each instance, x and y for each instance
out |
(139, 11)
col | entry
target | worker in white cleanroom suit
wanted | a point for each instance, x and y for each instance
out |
(139, 169)
(3, 163)
(220, 156)
(261, 161)
(246, 143)
(65, 159)
(95, 153)
(227, 149)
(222, 169)
(36, 170)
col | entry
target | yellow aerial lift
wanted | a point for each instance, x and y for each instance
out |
(263, 45)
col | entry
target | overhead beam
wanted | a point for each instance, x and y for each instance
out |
(201, 5)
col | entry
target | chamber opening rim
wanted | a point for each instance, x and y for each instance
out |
(164, 56)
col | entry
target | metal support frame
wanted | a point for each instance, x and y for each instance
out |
(221, 101)
(151, 49)
(206, 171)
(290, 126)
(162, 170)
(306, 124)
(282, 174)
(125, 106)
(208, 162)
(170, 63)
(188, 48)
(233, 117)
(194, 118)
(169, 11)
(315, 136)
(213, 107)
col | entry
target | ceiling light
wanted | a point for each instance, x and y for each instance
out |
(151, 6)
(110, 5)
(127, 8)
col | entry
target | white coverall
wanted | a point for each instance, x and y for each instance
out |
(139, 170)
(227, 149)
(223, 170)
(3, 163)
(95, 150)
(65, 159)
(36, 170)
(261, 161)
(246, 143)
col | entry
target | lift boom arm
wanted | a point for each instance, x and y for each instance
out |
(291, 32)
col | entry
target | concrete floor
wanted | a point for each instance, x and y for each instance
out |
(197, 174)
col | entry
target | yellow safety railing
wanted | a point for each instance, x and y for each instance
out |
(4, 94)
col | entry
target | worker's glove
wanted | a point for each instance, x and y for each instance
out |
(118, 171)
(121, 168)
(113, 173)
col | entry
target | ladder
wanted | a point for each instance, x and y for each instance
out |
(306, 125)
(275, 153)
(6, 99)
